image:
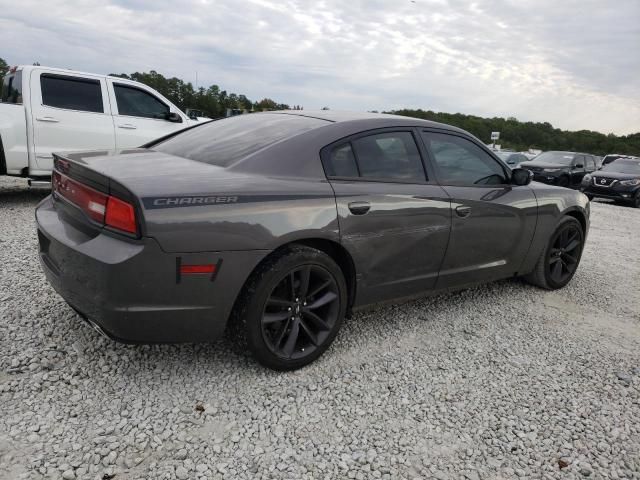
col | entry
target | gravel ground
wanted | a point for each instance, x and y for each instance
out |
(495, 382)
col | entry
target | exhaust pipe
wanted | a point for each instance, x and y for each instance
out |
(39, 183)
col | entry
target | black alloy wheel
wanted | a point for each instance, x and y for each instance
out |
(292, 307)
(564, 254)
(560, 259)
(300, 312)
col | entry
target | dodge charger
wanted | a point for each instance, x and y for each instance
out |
(280, 224)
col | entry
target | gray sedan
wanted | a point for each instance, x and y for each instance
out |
(280, 224)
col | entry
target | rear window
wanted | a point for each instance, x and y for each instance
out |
(12, 88)
(72, 93)
(226, 141)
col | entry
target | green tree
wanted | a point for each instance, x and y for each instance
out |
(4, 68)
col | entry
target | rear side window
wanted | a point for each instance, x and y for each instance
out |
(392, 156)
(71, 93)
(12, 88)
(461, 162)
(226, 141)
(590, 165)
(134, 102)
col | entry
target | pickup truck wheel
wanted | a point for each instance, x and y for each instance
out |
(560, 259)
(293, 307)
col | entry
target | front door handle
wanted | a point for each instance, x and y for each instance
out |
(127, 126)
(463, 211)
(47, 119)
(359, 208)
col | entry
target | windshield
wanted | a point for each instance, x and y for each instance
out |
(631, 167)
(226, 141)
(560, 158)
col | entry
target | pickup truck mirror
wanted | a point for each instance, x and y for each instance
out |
(174, 117)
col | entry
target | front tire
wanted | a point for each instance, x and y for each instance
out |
(561, 257)
(292, 307)
(563, 181)
(635, 203)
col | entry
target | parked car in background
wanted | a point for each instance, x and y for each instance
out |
(197, 115)
(45, 110)
(618, 180)
(565, 169)
(612, 157)
(280, 223)
(512, 159)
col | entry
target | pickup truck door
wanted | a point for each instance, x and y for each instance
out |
(141, 115)
(69, 112)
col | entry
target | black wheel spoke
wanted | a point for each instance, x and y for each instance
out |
(323, 300)
(571, 246)
(319, 288)
(305, 274)
(280, 335)
(570, 259)
(554, 260)
(319, 322)
(292, 284)
(275, 317)
(278, 302)
(556, 271)
(290, 344)
(308, 331)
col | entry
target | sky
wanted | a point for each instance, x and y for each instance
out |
(575, 64)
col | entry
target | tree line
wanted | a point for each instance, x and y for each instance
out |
(522, 136)
(214, 102)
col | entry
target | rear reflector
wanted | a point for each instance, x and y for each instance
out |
(100, 207)
(187, 269)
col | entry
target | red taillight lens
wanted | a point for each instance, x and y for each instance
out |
(91, 201)
(120, 215)
(104, 209)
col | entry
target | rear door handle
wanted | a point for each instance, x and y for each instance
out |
(127, 126)
(359, 208)
(463, 211)
(47, 119)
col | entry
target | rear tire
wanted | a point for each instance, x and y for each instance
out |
(560, 259)
(636, 200)
(292, 307)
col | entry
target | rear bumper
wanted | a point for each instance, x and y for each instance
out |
(132, 290)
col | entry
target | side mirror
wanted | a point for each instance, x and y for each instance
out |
(521, 176)
(174, 117)
(579, 165)
(511, 162)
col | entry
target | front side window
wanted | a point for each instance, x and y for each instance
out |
(392, 156)
(71, 93)
(590, 165)
(138, 103)
(12, 88)
(462, 162)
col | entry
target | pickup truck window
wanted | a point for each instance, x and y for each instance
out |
(12, 88)
(72, 93)
(135, 102)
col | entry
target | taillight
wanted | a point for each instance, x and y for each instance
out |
(120, 215)
(100, 207)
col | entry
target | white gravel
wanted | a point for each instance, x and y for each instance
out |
(495, 382)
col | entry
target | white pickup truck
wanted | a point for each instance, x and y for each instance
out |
(45, 110)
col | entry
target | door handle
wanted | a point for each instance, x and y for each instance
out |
(359, 208)
(47, 119)
(127, 126)
(463, 211)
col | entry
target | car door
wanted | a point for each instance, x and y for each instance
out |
(492, 222)
(70, 112)
(394, 220)
(140, 116)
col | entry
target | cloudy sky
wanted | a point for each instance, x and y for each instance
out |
(575, 64)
